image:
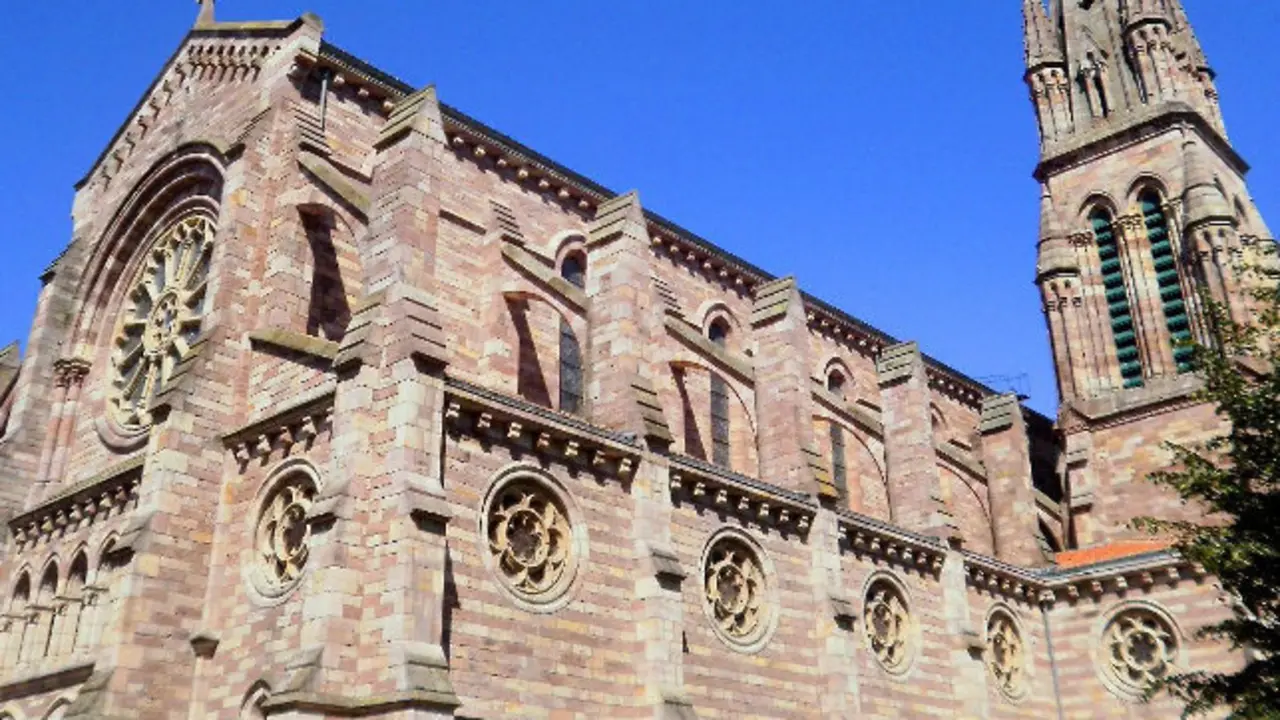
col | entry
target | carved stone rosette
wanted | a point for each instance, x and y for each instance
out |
(533, 543)
(1006, 655)
(737, 593)
(889, 626)
(282, 530)
(161, 315)
(1139, 648)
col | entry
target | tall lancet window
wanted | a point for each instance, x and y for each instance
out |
(718, 333)
(1167, 282)
(1121, 315)
(573, 269)
(839, 468)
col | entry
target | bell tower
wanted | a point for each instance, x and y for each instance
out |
(1144, 206)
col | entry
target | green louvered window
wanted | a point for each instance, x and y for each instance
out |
(1166, 266)
(1122, 328)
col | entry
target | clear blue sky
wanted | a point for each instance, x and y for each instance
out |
(879, 151)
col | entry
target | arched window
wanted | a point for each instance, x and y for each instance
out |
(1117, 293)
(70, 636)
(718, 333)
(574, 270)
(1166, 265)
(18, 629)
(839, 468)
(44, 599)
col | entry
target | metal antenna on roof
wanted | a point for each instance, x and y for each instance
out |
(206, 13)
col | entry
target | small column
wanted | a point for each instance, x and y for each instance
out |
(915, 491)
(784, 393)
(1006, 452)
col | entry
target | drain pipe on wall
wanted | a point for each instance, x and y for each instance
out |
(1053, 661)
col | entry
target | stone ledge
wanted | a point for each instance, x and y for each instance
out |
(689, 335)
(81, 503)
(309, 345)
(740, 495)
(866, 535)
(46, 680)
(344, 706)
(334, 179)
(525, 261)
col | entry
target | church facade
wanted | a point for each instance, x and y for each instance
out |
(340, 403)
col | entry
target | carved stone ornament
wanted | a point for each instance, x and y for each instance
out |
(736, 591)
(889, 626)
(532, 541)
(1139, 647)
(161, 315)
(281, 532)
(1006, 655)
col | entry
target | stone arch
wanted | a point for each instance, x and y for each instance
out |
(190, 179)
(251, 704)
(836, 364)
(58, 710)
(690, 379)
(535, 327)
(1096, 201)
(565, 243)
(968, 510)
(1144, 182)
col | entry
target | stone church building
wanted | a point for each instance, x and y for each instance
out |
(340, 403)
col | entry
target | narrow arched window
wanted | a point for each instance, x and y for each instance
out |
(1167, 282)
(718, 333)
(574, 270)
(1118, 309)
(839, 469)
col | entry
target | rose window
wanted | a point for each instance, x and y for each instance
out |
(887, 624)
(162, 315)
(734, 583)
(531, 541)
(1006, 658)
(1139, 649)
(283, 531)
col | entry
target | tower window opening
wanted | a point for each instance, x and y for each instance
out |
(1167, 281)
(574, 270)
(839, 471)
(1117, 294)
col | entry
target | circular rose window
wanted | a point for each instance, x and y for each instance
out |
(161, 316)
(1139, 648)
(888, 626)
(736, 592)
(1006, 656)
(281, 532)
(532, 541)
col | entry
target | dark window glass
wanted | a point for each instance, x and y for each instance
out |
(839, 473)
(718, 332)
(570, 370)
(835, 383)
(719, 421)
(574, 269)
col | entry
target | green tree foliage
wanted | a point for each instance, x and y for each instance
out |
(1235, 477)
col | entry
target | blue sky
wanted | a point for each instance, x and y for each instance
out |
(879, 151)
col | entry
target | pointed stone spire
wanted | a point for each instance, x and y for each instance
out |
(205, 18)
(1041, 39)
(1202, 201)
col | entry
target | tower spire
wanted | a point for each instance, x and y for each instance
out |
(1041, 38)
(205, 18)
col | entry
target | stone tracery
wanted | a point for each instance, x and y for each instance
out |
(735, 587)
(1006, 655)
(1139, 648)
(530, 540)
(162, 314)
(887, 622)
(282, 532)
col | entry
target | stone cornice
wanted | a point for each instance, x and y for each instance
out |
(295, 422)
(866, 536)
(741, 496)
(81, 505)
(483, 413)
(46, 680)
(1129, 130)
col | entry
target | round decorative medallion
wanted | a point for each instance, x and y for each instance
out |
(531, 540)
(889, 627)
(281, 532)
(736, 591)
(1139, 648)
(161, 316)
(1006, 657)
